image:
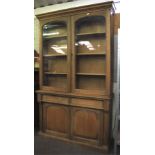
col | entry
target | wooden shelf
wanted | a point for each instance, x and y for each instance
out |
(90, 54)
(53, 73)
(92, 33)
(53, 37)
(90, 74)
(54, 55)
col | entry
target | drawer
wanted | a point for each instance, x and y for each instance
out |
(95, 104)
(55, 99)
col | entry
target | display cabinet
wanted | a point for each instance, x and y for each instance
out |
(76, 74)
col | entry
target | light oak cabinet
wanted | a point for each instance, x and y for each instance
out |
(76, 74)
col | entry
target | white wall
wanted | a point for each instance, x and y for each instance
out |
(36, 30)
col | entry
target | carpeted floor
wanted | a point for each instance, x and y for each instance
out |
(48, 146)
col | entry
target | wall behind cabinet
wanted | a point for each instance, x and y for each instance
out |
(36, 40)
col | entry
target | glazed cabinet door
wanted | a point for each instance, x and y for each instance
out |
(89, 46)
(55, 56)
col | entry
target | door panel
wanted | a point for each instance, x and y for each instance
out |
(56, 118)
(86, 124)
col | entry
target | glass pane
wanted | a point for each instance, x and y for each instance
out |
(55, 38)
(55, 65)
(94, 43)
(90, 35)
(91, 24)
(90, 50)
(91, 64)
(57, 81)
(54, 29)
(55, 54)
(55, 46)
(91, 83)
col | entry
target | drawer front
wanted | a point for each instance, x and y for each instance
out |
(87, 103)
(55, 99)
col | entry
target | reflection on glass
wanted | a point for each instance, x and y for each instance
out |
(55, 46)
(54, 30)
(85, 44)
(55, 38)
(59, 49)
(94, 44)
(50, 34)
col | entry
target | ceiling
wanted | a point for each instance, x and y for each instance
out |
(42, 3)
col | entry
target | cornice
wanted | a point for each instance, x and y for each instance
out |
(97, 6)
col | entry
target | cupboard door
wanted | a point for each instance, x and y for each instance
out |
(89, 53)
(86, 125)
(56, 119)
(55, 55)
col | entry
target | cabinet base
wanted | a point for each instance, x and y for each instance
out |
(104, 148)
